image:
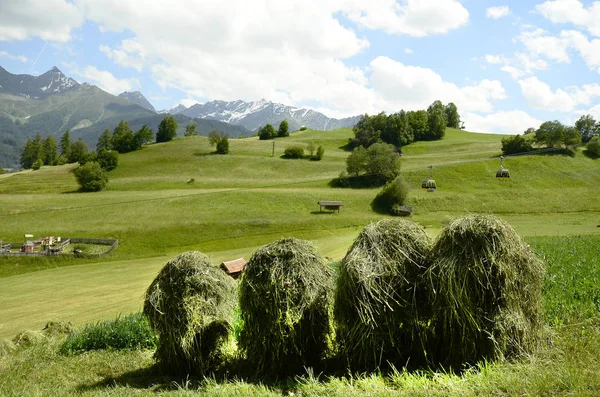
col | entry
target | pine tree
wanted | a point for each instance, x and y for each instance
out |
(104, 141)
(65, 144)
(50, 153)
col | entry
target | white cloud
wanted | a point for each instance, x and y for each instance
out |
(50, 20)
(572, 11)
(519, 66)
(413, 87)
(595, 112)
(408, 51)
(107, 81)
(129, 54)
(417, 18)
(187, 102)
(589, 50)
(497, 12)
(515, 73)
(495, 59)
(541, 43)
(509, 122)
(4, 54)
(539, 95)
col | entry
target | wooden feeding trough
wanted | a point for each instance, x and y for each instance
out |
(329, 205)
(235, 267)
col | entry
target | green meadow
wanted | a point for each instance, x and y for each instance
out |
(178, 196)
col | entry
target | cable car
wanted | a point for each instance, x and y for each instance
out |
(502, 174)
(429, 184)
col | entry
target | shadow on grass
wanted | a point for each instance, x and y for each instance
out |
(324, 212)
(587, 153)
(204, 154)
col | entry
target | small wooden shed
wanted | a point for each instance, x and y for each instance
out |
(329, 205)
(235, 267)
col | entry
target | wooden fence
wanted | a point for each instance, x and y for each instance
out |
(112, 243)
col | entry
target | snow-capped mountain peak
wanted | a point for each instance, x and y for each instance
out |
(51, 82)
(255, 114)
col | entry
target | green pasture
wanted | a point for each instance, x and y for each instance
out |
(177, 196)
(565, 363)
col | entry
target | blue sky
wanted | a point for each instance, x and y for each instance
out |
(508, 65)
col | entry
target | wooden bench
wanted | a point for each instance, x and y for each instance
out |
(329, 205)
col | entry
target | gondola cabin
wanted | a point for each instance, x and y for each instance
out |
(429, 184)
(502, 174)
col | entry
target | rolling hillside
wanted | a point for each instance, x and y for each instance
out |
(178, 196)
(51, 103)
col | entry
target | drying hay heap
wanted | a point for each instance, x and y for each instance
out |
(190, 305)
(285, 299)
(485, 291)
(6, 347)
(380, 307)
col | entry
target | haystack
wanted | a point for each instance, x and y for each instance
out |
(28, 338)
(190, 305)
(285, 299)
(380, 308)
(485, 291)
(6, 347)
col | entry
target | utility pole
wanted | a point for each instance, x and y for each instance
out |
(273, 154)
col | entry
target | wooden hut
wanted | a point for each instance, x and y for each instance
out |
(235, 267)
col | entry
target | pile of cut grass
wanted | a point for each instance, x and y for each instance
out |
(285, 299)
(485, 292)
(190, 305)
(381, 310)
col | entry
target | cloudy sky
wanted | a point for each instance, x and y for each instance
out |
(507, 65)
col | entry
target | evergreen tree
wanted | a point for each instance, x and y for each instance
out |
(50, 153)
(65, 144)
(167, 130)
(30, 154)
(104, 141)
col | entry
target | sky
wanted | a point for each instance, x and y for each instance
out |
(507, 65)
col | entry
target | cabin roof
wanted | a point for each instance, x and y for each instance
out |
(234, 266)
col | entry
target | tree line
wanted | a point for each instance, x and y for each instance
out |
(404, 127)
(268, 131)
(553, 134)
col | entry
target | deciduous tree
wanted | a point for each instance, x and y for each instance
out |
(167, 130)
(284, 129)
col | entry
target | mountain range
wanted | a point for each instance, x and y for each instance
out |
(254, 115)
(51, 103)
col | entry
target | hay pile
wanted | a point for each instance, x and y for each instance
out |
(190, 305)
(6, 347)
(54, 328)
(285, 300)
(29, 338)
(485, 291)
(380, 308)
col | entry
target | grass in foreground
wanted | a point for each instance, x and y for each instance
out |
(566, 363)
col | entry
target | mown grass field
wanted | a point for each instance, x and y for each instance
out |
(173, 197)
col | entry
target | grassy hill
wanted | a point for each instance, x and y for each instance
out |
(178, 196)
